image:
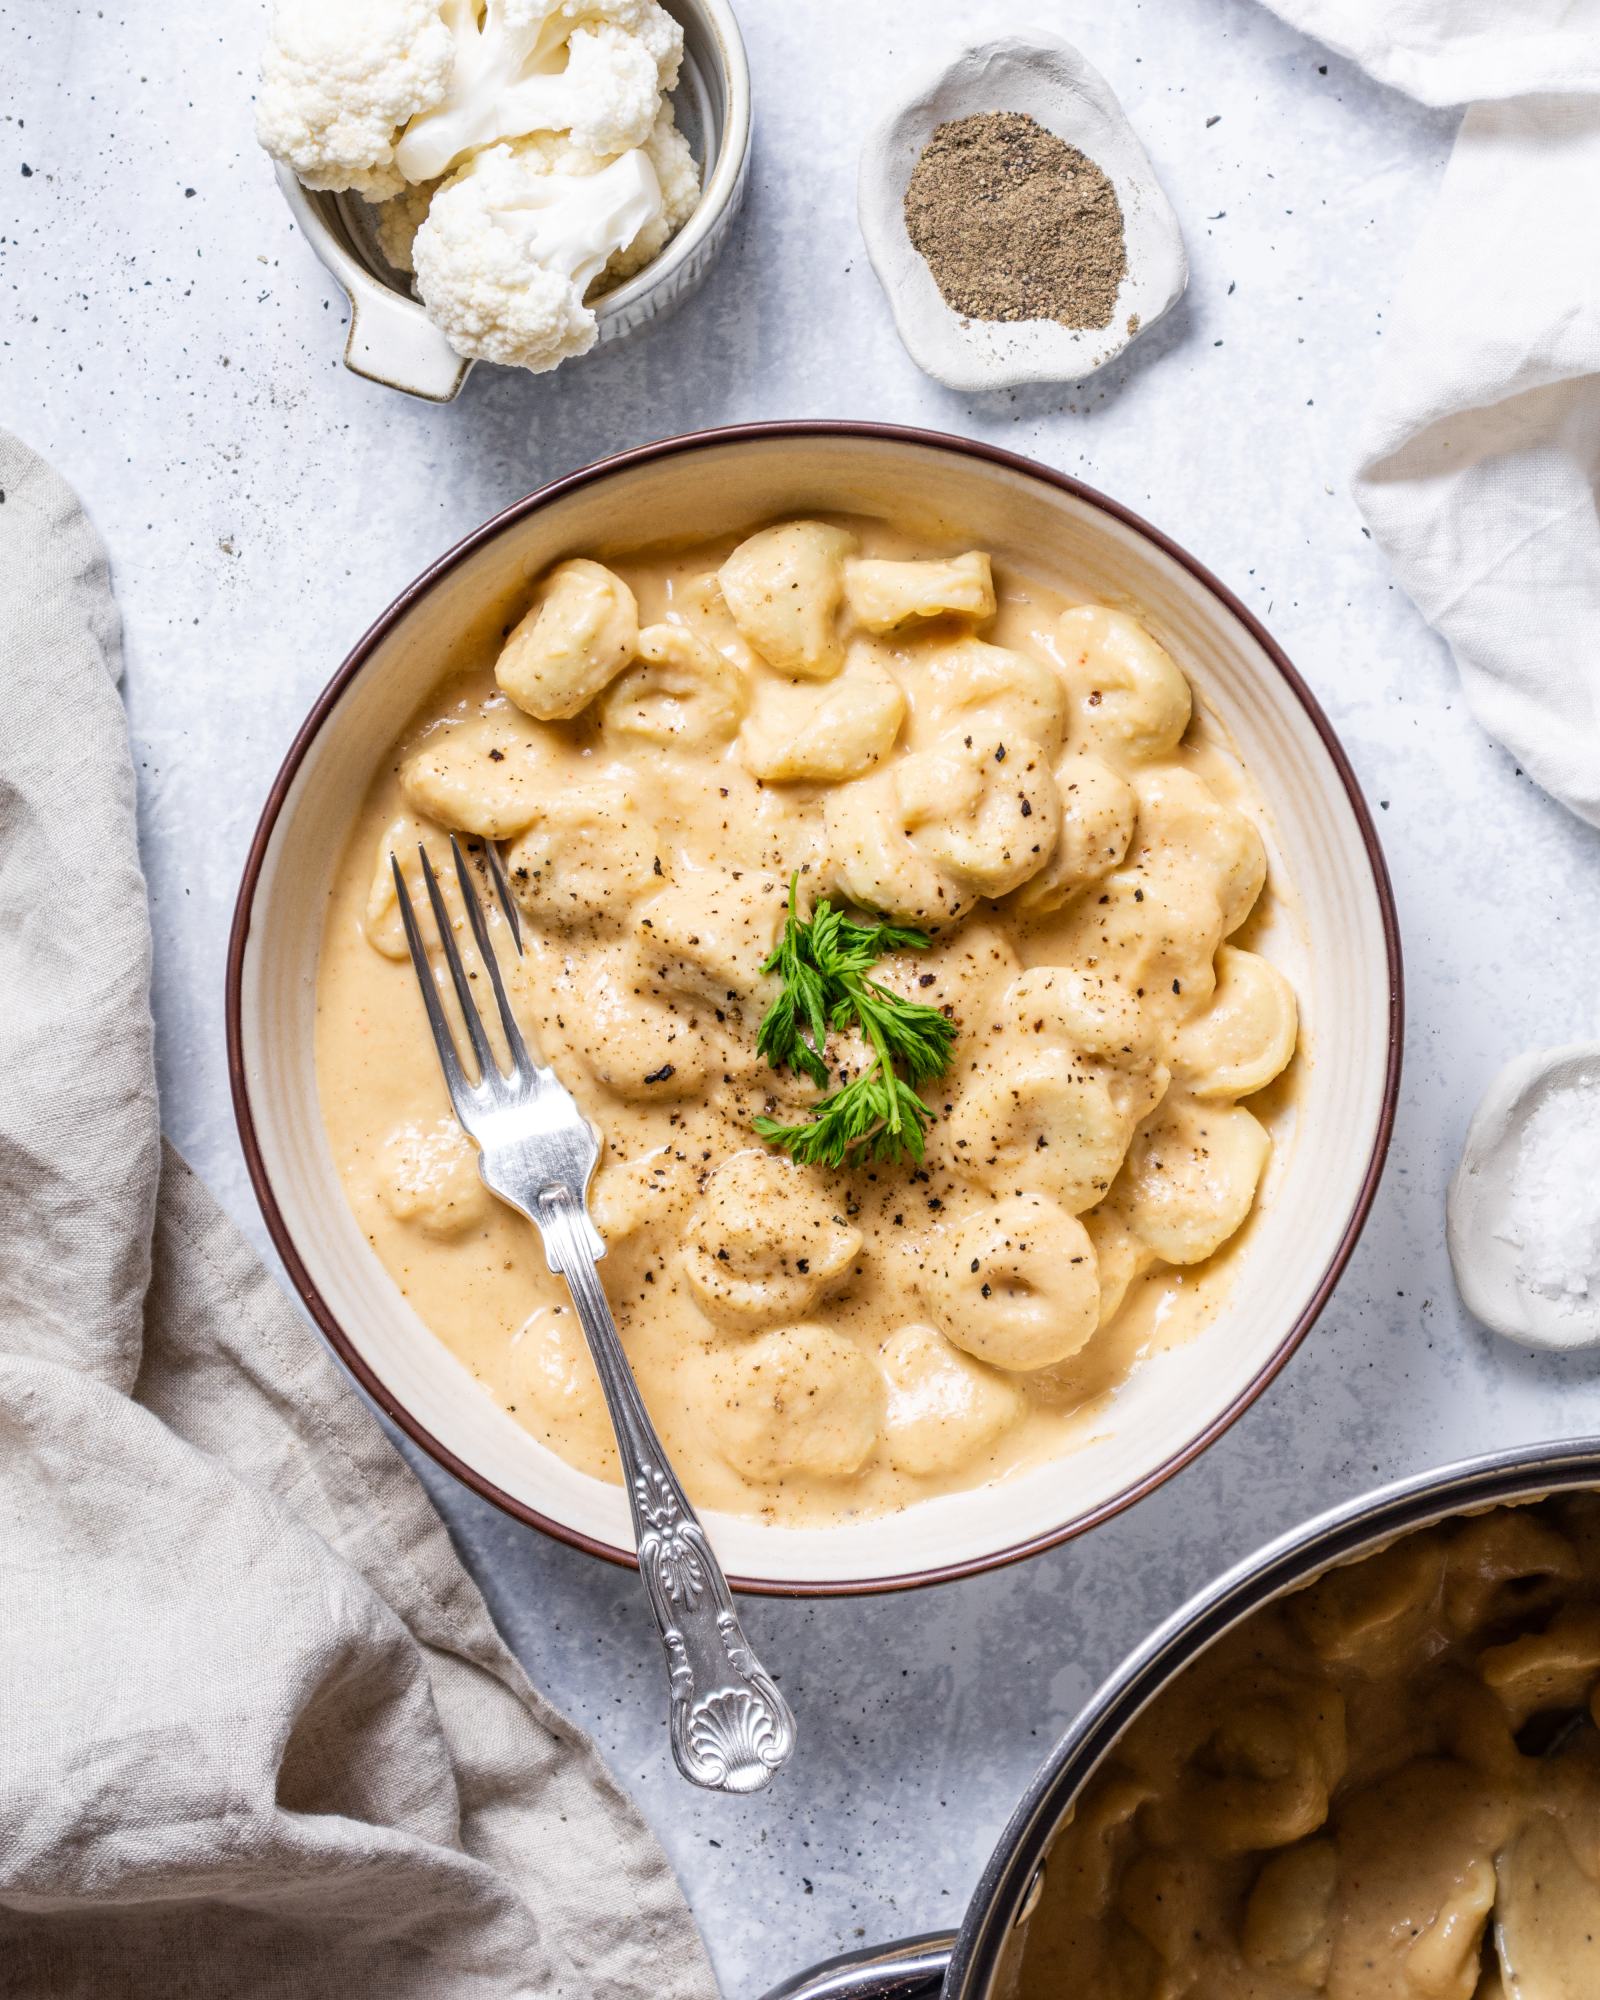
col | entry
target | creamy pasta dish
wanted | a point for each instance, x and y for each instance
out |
(913, 1242)
(1386, 1787)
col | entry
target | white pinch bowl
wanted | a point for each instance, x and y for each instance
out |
(1336, 938)
(392, 341)
(1477, 1209)
(1053, 83)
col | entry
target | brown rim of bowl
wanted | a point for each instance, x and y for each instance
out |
(604, 468)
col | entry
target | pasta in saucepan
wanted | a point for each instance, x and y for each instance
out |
(1345, 1793)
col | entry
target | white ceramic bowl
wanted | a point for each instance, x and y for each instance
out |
(1340, 948)
(393, 341)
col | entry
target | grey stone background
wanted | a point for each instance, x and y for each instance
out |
(168, 341)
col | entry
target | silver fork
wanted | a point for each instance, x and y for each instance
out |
(731, 1728)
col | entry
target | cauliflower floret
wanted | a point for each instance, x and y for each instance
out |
(397, 220)
(339, 78)
(373, 94)
(647, 21)
(611, 79)
(679, 176)
(514, 157)
(509, 249)
(594, 68)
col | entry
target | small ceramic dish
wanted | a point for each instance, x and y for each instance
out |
(1335, 935)
(1048, 79)
(393, 341)
(1479, 1213)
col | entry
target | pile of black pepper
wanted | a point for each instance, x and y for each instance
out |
(1015, 223)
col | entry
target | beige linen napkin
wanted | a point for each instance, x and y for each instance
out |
(258, 1736)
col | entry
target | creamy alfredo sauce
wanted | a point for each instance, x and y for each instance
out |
(1025, 781)
(1347, 1795)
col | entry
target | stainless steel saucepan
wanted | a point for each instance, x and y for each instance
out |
(976, 1963)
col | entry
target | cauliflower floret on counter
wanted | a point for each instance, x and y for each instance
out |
(509, 249)
(340, 78)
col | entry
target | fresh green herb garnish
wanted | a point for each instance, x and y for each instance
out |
(823, 962)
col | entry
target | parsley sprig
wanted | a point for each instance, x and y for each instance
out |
(823, 962)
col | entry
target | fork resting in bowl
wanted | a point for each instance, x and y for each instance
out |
(731, 1728)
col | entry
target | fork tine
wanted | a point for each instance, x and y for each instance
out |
(502, 888)
(480, 932)
(488, 1068)
(455, 1081)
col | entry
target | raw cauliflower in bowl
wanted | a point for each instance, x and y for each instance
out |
(521, 156)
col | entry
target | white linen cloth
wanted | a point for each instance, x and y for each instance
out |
(1480, 454)
(258, 1737)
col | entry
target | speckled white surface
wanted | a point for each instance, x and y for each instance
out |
(166, 340)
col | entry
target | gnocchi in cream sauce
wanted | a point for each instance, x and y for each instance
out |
(1368, 1791)
(660, 745)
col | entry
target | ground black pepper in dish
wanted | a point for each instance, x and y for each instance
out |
(1016, 224)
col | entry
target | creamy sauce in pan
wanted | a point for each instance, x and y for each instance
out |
(1348, 1794)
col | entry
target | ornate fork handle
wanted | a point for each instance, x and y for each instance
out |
(731, 1728)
